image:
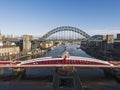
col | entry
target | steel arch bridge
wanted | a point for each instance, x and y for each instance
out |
(66, 28)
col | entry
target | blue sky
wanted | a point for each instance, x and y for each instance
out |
(37, 17)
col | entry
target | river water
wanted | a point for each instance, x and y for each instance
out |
(40, 79)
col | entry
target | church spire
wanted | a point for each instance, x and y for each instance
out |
(0, 32)
(0, 36)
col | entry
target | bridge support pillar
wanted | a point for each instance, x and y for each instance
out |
(65, 79)
(1, 71)
(19, 72)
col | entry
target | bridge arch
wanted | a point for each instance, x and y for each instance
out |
(66, 28)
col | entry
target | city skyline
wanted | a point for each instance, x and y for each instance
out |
(37, 17)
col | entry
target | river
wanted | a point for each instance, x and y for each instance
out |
(40, 79)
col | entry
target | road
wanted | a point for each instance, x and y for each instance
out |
(40, 79)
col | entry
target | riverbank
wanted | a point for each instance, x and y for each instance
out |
(97, 54)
